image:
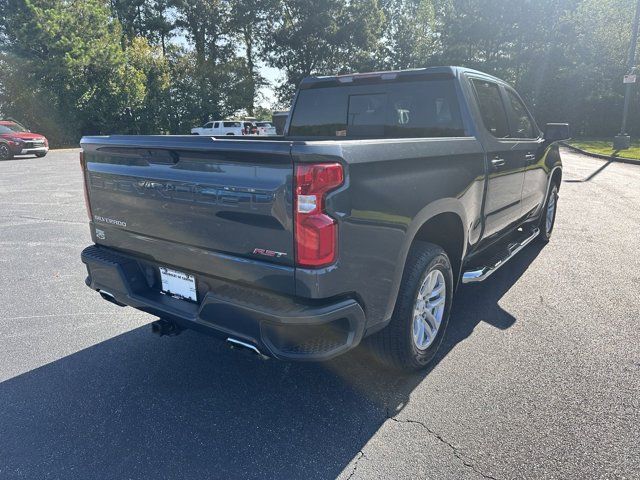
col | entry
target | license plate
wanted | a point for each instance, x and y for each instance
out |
(178, 284)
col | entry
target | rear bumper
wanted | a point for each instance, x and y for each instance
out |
(280, 326)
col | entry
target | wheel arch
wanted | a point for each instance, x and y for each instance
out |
(555, 178)
(447, 231)
(441, 223)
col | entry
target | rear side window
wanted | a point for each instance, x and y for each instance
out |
(395, 110)
(523, 124)
(231, 124)
(216, 125)
(494, 115)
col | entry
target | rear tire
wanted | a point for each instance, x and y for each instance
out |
(409, 343)
(548, 215)
(5, 152)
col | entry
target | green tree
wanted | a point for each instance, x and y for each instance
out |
(218, 80)
(327, 36)
(250, 21)
(565, 56)
(65, 66)
(152, 115)
(150, 19)
(409, 39)
(590, 82)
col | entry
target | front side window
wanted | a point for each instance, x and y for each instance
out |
(208, 125)
(416, 109)
(523, 125)
(494, 115)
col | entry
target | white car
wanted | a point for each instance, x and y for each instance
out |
(266, 128)
(219, 127)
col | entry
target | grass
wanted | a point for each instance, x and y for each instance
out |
(605, 147)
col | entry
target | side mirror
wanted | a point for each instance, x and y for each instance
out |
(556, 132)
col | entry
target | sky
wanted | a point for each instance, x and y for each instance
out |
(273, 76)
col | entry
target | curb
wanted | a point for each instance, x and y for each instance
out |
(600, 156)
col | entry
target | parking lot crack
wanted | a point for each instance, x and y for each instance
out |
(455, 450)
(359, 457)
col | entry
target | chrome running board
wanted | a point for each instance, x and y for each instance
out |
(481, 274)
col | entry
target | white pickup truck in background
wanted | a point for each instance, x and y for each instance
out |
(266, 128)
(259, 127)
(219, 127)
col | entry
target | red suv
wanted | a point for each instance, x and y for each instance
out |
(17, 140)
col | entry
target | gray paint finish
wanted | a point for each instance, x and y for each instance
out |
(205, 204)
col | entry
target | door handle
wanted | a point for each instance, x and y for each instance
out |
(530, 157)
(498, 162)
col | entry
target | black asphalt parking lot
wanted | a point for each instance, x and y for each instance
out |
(539, 376)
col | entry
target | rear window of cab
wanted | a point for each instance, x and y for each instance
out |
(420, 109)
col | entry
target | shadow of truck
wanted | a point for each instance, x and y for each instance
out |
(138, 407)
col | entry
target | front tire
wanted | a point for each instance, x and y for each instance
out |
(5, 152)
(41, 155)
(548, 216)
(421, 315)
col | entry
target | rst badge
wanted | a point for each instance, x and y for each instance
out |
(268, 253)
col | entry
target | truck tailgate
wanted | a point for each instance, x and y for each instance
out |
(229, 198)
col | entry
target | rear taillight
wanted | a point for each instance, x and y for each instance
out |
(316, 233)
(83, 166)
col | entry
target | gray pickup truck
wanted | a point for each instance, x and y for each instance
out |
(386, 191)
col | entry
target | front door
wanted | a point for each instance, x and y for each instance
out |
(529, 148)
(503, 206)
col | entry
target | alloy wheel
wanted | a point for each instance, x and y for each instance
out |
(429, 309)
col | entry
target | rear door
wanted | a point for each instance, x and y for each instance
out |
(503, 205)
(231, 128)
(528, 145)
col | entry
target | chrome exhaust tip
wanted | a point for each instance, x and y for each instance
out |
(110, 298)
(240, 345)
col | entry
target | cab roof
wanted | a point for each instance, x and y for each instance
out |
(445, 72)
